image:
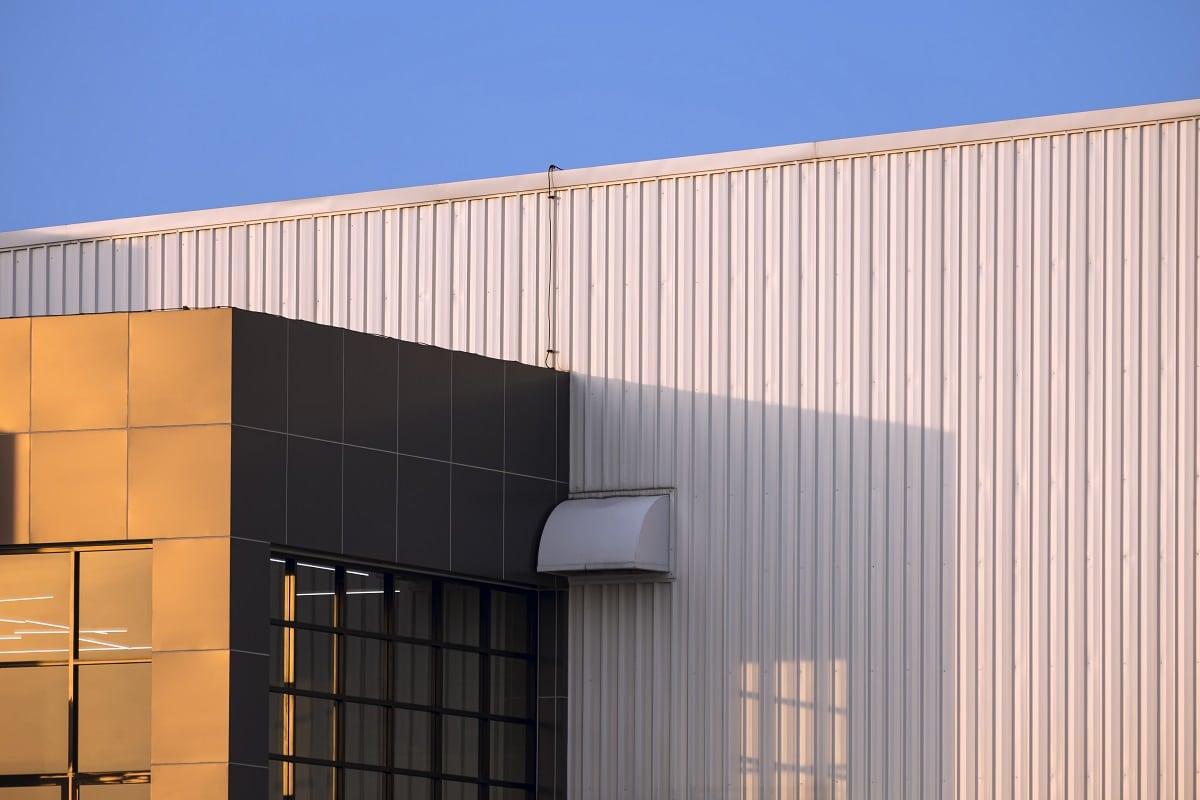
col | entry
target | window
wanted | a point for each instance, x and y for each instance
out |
(75, 633)
(390, 685)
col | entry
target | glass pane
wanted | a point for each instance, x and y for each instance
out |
(34, 605)
(460, 680)
(277, 576)
(460, 746)
(33, 734)
(114, 604)
(509, 745)
(364, 784)
(114, 717)
(460, 612)
(457, 790)
(314, 593)
(314, 728)
(414, 673)
(510, 621)
(413, 607)
(509, 689)
(313, 783)
(314, 661)
(31, 793)
(276, 667)
(365, 666)
(364, 601)
(409, 788)
(275, 791)
(413, 734)
(365, 733)
(115, 791)
(275, 733)
(506, 793)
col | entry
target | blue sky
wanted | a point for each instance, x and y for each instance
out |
(111, 109)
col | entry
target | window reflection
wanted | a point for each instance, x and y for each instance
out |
(412, 607)
(414, 673)
(363, 727)
(377, 672)
(108, 737)
(412, 788)
(509, 694)
(31, 792)
(460, 746)
(315, 585)
(510, 622)
(461, 614)
(364, 785)
(365, 667)
(33, 735)
(115, 791)
(35, 601)
(365, 601)
(114, 604)
(508, 746)
(460, 684)
(412, 732)
(114, 717)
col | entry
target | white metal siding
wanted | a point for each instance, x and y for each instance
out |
(931, 415)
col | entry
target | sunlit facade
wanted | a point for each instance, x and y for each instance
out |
(246, 557)
(917, 411)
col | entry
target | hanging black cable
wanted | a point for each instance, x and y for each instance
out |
(550, 360)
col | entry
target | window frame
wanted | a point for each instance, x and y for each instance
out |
(69, 781)
(282, 686)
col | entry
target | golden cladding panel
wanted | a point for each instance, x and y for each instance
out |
(189, 708)
(191, 594)
(179, 481)
(14, 375)
(14, 488)
(180, 367)
(189, 782)
(80, 372)
(77, 486)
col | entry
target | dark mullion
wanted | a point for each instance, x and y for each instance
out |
(396, 704)
(485, 702)
(533, 626)
(389, 684)
(339, 688)
(415, 773)
(436, 743)
(72, 675)
(430, 642)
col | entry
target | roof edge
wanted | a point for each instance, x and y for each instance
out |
(583, 176)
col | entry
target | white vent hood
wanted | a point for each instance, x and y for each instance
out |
(629, 534)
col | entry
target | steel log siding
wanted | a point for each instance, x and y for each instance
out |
(932, 419)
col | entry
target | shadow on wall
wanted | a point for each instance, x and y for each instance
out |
(12, 504)
(807, 646)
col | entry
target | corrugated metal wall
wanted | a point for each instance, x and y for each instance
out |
(931, 415)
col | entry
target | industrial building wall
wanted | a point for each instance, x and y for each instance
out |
(931, 416)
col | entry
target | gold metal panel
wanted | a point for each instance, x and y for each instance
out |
(14, 375)
(190, 707)
(80, 372)
(77, 486)
(113, 707)
(190, 782)
(179, 481)
(191, 594)
(14, 488)
(180, 367)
